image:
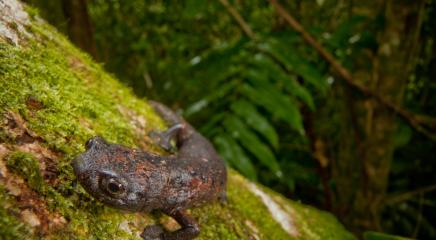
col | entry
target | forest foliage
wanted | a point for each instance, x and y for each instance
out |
(277, 111)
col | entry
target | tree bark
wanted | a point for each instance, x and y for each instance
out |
(71, 18)
(367, 144)
(79, 25)
(52, 99)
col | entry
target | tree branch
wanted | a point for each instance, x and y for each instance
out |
(238, 18)
(398, 198)
(412, 119)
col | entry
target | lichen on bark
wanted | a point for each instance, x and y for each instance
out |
(52, 99)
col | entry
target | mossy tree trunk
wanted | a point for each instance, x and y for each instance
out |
(367, 136)
(53, 98)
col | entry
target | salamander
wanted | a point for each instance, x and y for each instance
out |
(136, 180)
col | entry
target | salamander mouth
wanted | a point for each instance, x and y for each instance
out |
(83, 174)
(78, 165)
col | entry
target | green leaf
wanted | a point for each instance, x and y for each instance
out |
(369, 235)
(210, 127)
(219, 64)
(402, 135)
(194, 8)
(224, 90)
(218, 68)
(276, 103)
(235, 156)
(251, 142)
(196, 107)
(290, 36)
(282, 52)
(253, 118)
(274, 71)
(343, 32)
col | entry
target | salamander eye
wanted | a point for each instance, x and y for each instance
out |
(112, 186)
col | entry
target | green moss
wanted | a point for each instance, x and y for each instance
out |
(33, 12)
(313, 223)
(27, 167)
(80, 100)
(245, 216)
(248, 206)
(11, 227)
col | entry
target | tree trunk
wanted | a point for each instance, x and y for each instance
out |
(52, 99)
(79, 25)
(367, 143)
(72, 19)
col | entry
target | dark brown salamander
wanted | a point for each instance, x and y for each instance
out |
(137, 180)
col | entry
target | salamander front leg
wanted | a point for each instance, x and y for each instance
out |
(163, 139)
(189, 229)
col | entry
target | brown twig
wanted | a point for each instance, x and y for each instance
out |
(345, 74)
(416, 121)
(238, 18)
(398, 198)
(315, 152)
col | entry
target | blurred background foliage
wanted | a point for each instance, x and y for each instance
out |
(275, 110)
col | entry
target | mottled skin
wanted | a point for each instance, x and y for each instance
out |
(137, 180)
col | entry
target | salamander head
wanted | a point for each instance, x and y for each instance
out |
(114, 174)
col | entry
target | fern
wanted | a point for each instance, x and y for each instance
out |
(248, 82)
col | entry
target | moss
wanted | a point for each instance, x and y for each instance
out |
(11, 227)
(245, 216)
(79, 100)
(27, 167)
(313, 223)
(33, 12)
(248, 206)
(3, 136)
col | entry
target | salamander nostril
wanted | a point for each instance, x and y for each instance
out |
(92, 142)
